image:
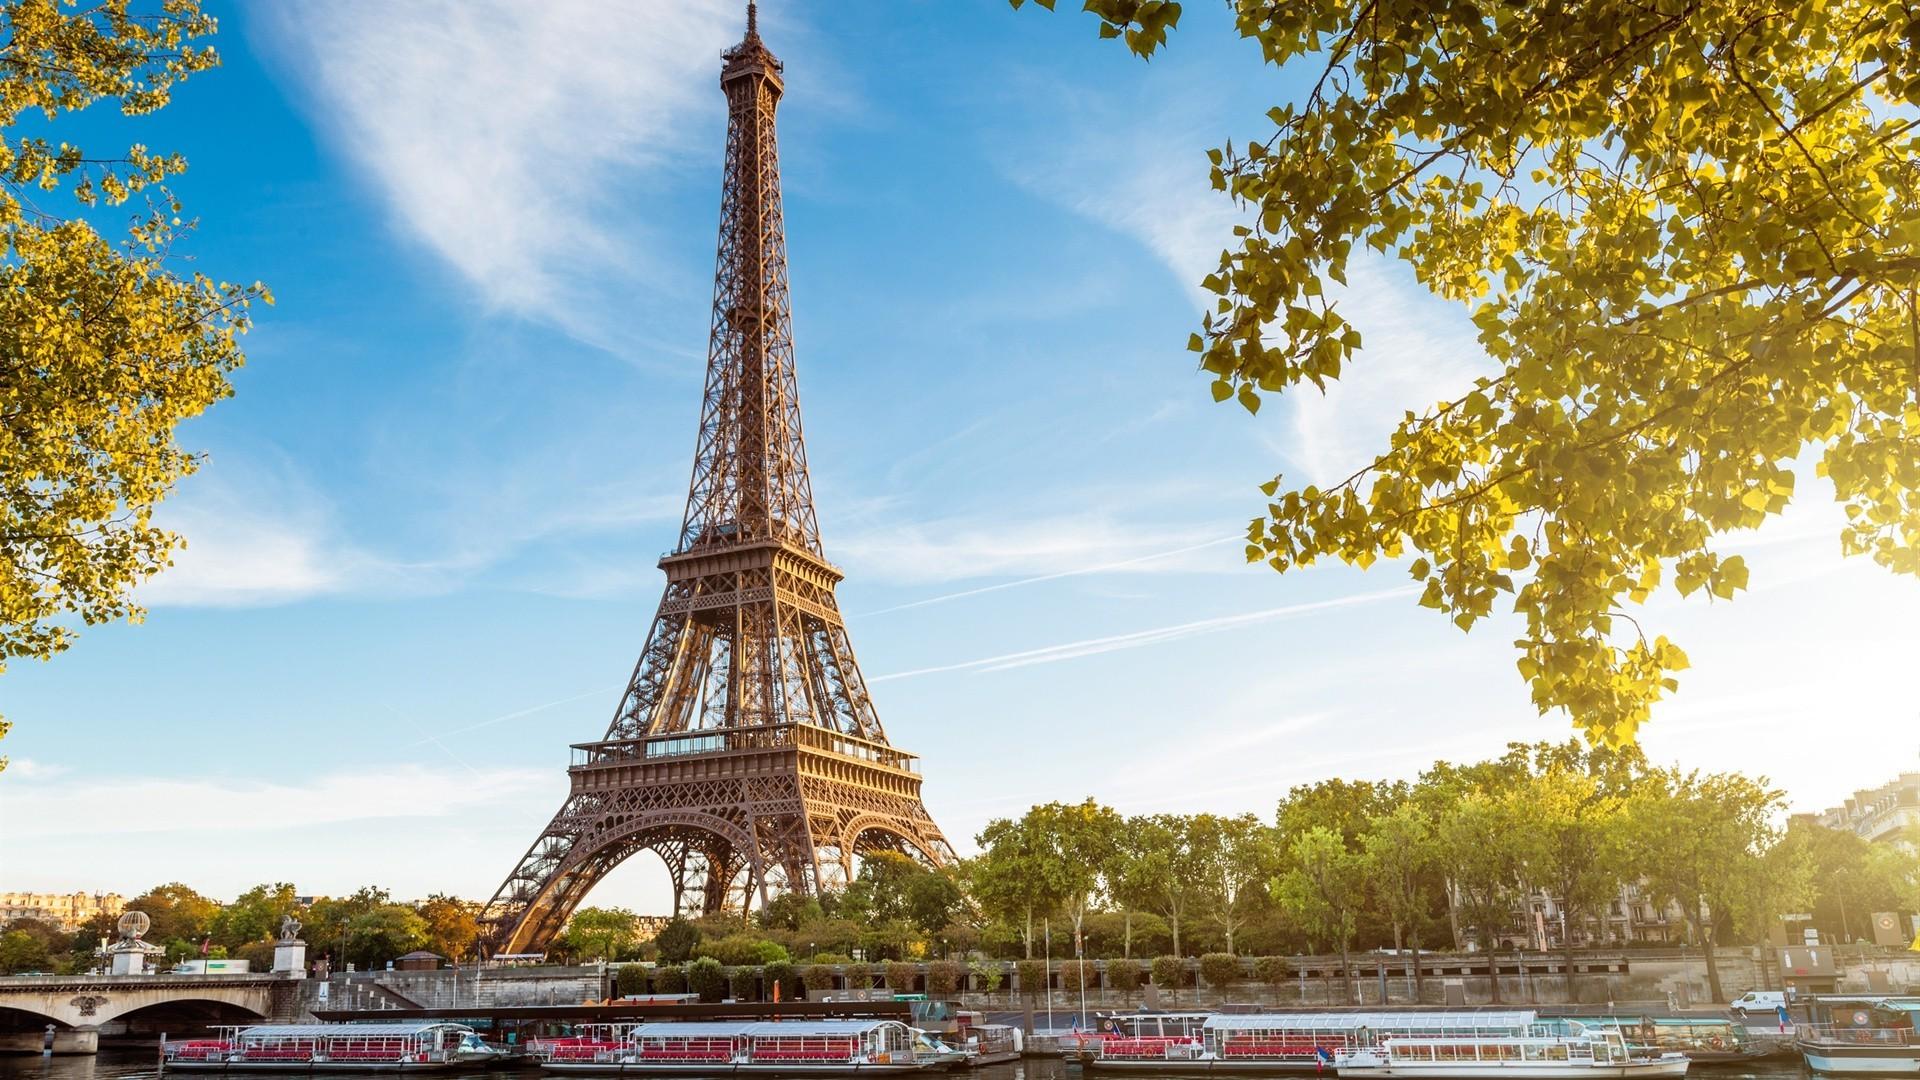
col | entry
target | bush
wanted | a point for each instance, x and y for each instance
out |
(1123, 975)
(743, 949)
(831, 958)
(677, 940)
(1032, 976)
(859, 977)
(900, 976)
(787, 977)
(1221, 970)
(744, 982)
(1272, 970)
(669, 979)
(990, 976)
(818, 977)
(944, 977)
(630, 980)
(707, 978)
(1076, 975)
(1169, 972)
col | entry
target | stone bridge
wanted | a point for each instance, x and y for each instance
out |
(83, 1007)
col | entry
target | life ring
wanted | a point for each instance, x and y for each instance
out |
(1716, 1042)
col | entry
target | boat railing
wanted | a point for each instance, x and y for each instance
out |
(1149, 1047)
(1833, 1034)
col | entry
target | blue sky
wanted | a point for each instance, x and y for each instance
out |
(422, 550)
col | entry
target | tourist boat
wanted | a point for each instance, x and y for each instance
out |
(406, 1047)
(1545, 1051)
(1293, 1042)
(1862, 1035)
(1704, 1039)
(783, 1047)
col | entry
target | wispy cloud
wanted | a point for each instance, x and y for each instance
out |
(1037, 548)
(1138, 639)
(225, 804)
(1134, 563)
(502, 134)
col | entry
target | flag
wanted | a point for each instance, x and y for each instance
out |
(1915, 947)
(1321, 1058)
(776, 991)
(205, 944)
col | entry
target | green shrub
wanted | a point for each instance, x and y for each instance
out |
(1169, 972)
(744, 949)
(1221, 970)
(945, 977)
(818, 977)
(831, 958)
(1272, 970)
(1076, 975)
(1123, 975)
(859, 977)
(669, 979)
(708, 978)
(990, 976)
(630, 980)
(1032, 976)
(900, 976)
(787, 977)
(744, 982)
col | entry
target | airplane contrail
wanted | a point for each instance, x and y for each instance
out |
(1102, 568)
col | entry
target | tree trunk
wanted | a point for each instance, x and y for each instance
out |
(1126, 934)
(1029, 934)
(1175, 921)
(1493, 969)
(1566, 956)
(1346, 973)
(1417, 985)
(1713, 966)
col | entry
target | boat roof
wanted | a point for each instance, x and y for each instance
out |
(694, 1029)
(1387, 1021)
(282, 1031)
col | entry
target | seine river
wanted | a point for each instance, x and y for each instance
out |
(126, 1065)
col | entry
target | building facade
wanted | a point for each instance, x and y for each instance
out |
(69, 910)
(1884, 814)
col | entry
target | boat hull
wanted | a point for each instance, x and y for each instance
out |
(1199, 1066)
(728, 1068)
(1521, 1070)
(314, 1066)
(1865, 1060)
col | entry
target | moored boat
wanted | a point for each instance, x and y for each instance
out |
(401, 1047)
(1293, 1042)
(1862, 1035)
(782, 1047)
(1704, 1039)
(991, 1044)
(1546, 1051)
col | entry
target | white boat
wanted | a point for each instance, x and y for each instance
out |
(1548, 1051)
(402, 1047)
(1866, 1035)
(777, 1047)
(1282, 1042)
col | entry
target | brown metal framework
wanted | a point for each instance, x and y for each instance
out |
(746, 751)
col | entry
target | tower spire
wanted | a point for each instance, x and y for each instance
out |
(753, 27)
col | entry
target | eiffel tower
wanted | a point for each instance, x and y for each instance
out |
(746, 751)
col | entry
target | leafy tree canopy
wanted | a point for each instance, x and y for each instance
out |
(108, 346)
(1690, 239)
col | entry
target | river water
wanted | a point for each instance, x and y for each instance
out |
(130, 1065)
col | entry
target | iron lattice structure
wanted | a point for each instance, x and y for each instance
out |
(746, 751)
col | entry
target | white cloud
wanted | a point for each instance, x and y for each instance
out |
(252, 540)
(224, 804)
(498, 132)
(30, 769)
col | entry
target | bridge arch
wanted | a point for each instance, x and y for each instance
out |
(90, 1001)
(882, 832)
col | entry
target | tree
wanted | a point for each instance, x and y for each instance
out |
(109, 347)
(1484, 868)
(1400, 857)
(1698, 839)
(331, 922)
(1014, 877)
(181, 919)
(1165, 869)
(602, 933)
(1569, 836)
(1236, 855)
(384, 933)
(677, 940)
(453, 924)
(1323, 888)
(254, 915)
(22, 951)
(1079, 840)
(1689, 255)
